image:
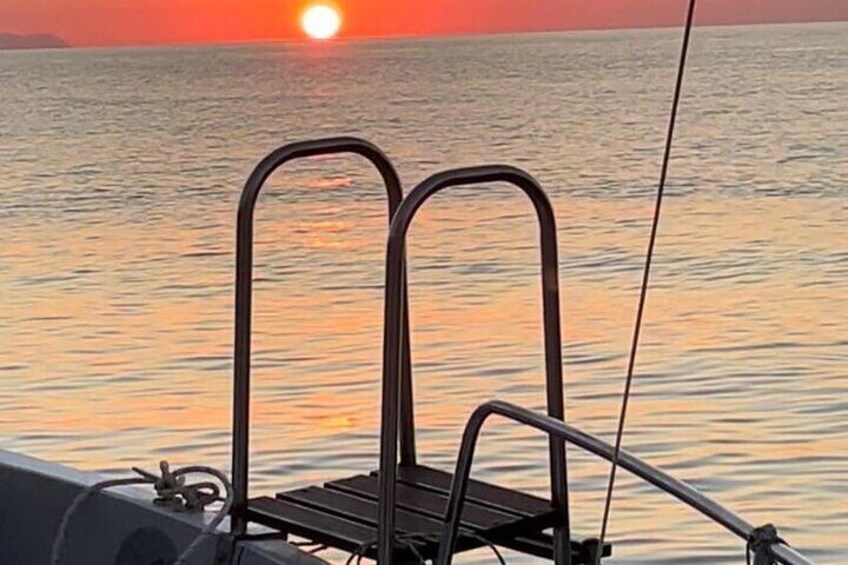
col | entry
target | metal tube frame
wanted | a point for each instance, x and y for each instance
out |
(244, 295)
(395, 305)
(779, 553)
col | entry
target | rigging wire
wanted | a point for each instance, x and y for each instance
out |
(647, 274)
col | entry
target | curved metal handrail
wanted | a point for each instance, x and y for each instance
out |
(394, 305)
(553, 427)
(244, 288)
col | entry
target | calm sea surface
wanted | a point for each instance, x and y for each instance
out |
(119, 176)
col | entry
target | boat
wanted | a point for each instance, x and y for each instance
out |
(401, 513)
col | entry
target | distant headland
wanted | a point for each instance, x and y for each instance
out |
(32, 41)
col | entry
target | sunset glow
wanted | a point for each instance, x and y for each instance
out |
(143, 22)
(321, 21)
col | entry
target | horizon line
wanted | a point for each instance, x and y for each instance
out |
(412, 36)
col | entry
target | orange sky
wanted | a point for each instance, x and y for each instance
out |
(122, 22)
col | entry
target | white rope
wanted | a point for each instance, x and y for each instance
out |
(171, 490)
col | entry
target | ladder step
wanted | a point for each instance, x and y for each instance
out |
(423, 502)
(361, 510)
(329, 530)
(310, 524)
(483, 494)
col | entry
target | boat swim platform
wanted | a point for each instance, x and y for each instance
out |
(405, 512)
(343, 514)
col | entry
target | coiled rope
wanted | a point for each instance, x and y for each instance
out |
(637, 330)
(171, 490)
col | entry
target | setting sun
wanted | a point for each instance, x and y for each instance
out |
(321, 21)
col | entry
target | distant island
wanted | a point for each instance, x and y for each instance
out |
(33, 41)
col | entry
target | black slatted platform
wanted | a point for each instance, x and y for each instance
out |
(343, 514)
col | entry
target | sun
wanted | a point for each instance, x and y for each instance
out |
(321, 21)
